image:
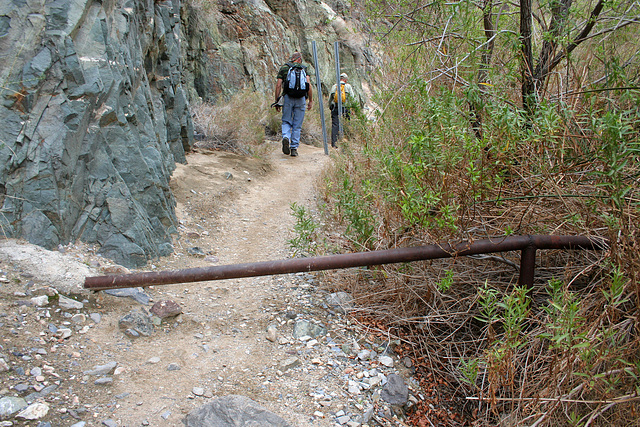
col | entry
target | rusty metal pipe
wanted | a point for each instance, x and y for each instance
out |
(332, 262)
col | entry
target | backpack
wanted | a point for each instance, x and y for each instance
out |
(344, 95)
(296, 83)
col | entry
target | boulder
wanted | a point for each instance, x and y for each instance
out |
(233, 411)
(95, 105)
(50, 268)
(89, 139)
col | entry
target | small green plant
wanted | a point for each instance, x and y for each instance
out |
(509, 314)
(575, 419)
(304, 243)
(615, 294)
(469, 369)
(515, 308)
(565, 320)
(617, 151)
(488, 302)
(445, 283)
(355, 209)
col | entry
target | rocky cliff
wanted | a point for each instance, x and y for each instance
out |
(95, 104)
(235, 45)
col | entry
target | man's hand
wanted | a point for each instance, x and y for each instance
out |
(309, 104)
(278, 108)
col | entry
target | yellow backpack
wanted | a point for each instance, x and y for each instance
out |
(344, 94)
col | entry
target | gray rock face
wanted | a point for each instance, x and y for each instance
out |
(94, 105)
(94, 118)
(233, 411)
(246, 42)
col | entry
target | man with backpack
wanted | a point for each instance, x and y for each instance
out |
(294, 84)
(348, 96)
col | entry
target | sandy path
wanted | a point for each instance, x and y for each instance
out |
(220, 343)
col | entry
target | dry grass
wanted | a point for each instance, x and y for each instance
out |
(238, 126)
(242, 125)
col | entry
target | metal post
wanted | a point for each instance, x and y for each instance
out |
(336, 47)
(319, 88)
(527, 266)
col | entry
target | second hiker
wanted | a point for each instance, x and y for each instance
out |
(348, 96)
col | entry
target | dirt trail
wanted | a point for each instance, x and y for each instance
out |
(221, 344)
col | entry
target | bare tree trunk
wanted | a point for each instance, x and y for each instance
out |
(550, 55)
(559, 13)
(528, 86)
(485, 62)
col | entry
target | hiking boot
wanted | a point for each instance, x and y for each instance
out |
(294, 152)
(285, 146)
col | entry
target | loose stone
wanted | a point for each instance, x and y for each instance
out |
(166, 308)
(271, 333)
(395, 391)
(9, 405)
(78, 318)
(69, 304)
(386, 361)
(63, 333)
(40, 301)
(289, 363)
(4, 367)
(102, 369)
(34, 411)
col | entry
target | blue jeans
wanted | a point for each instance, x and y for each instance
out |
(292, 118)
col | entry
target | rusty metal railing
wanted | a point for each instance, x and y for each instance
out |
(528, 245)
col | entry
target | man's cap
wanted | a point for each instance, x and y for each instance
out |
(295, 56)
(344, 76)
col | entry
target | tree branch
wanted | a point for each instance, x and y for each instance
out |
(581, 37)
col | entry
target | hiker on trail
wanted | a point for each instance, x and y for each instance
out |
(295, 86)
(348, 96)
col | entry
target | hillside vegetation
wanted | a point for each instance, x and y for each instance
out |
(496, 120)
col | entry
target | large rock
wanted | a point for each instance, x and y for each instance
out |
(94, 104)
(9, 405)
(49, 268)
(395, 390)
(94, 118)
(233, 411)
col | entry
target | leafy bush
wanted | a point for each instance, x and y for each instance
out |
(564, 352)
